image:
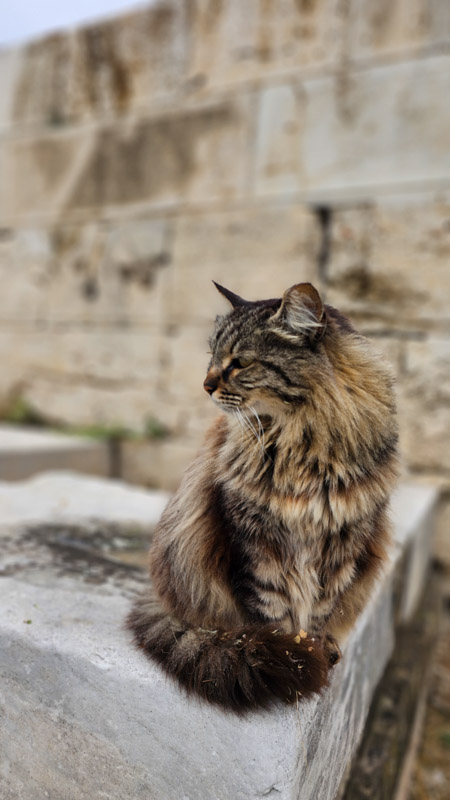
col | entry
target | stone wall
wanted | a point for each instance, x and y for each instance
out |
(257, 143)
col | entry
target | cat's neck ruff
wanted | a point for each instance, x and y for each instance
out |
(308, 467)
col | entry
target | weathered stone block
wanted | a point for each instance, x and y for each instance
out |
(156, 463)
(41, 173)
(258, 252)
(24, 259)
(82, 402)
(71, 677)
(235, 41)
(102, 357)
(104, 69)
(388, 263)
(377, 29)
(424, 402)
(348, 142)
(196, 155)
(96, 376)
(90, 273)
(25, 452)
(278, 162)
(325, 135)
(187, 362)
(70, 500)
(10, 63)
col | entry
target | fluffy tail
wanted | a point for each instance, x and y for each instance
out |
(238, 670)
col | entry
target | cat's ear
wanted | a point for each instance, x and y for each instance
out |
(233, 298)
(302, 310)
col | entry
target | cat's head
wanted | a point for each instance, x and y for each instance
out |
(265, 354)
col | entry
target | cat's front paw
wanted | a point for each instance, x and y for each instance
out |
(332, 649)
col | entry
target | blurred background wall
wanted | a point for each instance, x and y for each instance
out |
(259, 143)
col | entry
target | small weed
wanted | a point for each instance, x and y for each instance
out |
(445, 738)
(20, 412)
(154, 429)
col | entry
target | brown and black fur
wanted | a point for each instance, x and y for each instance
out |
(269, 549)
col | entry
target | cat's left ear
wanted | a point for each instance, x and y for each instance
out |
(302, 311)
(232, 298)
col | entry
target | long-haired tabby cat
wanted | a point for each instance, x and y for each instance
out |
(269, 549)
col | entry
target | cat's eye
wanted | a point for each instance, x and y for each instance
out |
(241, 362)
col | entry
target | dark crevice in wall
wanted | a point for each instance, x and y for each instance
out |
(115, 457)
(325, 220)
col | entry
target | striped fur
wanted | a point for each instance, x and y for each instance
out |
(269, 549)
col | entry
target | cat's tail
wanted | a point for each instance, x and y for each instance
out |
(242, 669)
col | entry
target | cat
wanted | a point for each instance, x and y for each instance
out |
(269, 549)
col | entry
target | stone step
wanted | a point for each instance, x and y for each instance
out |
(84, 715)
(67, 498)
(27, 451)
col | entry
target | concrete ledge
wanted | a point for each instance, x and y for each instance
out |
(61, 498)
(26, 451)
(84, 715)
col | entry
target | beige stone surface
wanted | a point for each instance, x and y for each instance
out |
(197, 155)
(424, 404)
(235, 41)
(349, 142)
(194, 156)
(102, 356)
(91, 273)
(158, 464)
(386, 27)
(279, 165)
(10, 64)
(257, 252)
(85, 402)
(390, 262)
(104, 68)
(328, 137)
(42, 171)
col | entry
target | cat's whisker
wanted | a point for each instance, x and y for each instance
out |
(261, 429)
(246, 425)
(238, 415)
(256, 433)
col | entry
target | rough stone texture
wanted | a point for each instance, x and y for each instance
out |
(103, 70)
(233, 42)
(84, 714)
(396, 27)
(389, 266)
(257, 144)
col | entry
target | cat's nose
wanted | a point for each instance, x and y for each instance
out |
(211, 382)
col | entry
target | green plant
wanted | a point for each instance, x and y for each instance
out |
(154, 429)
(20, 412)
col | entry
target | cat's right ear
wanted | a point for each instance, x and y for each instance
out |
(232, 298)
(302, 311)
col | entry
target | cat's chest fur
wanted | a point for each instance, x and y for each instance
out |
(286, 530)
